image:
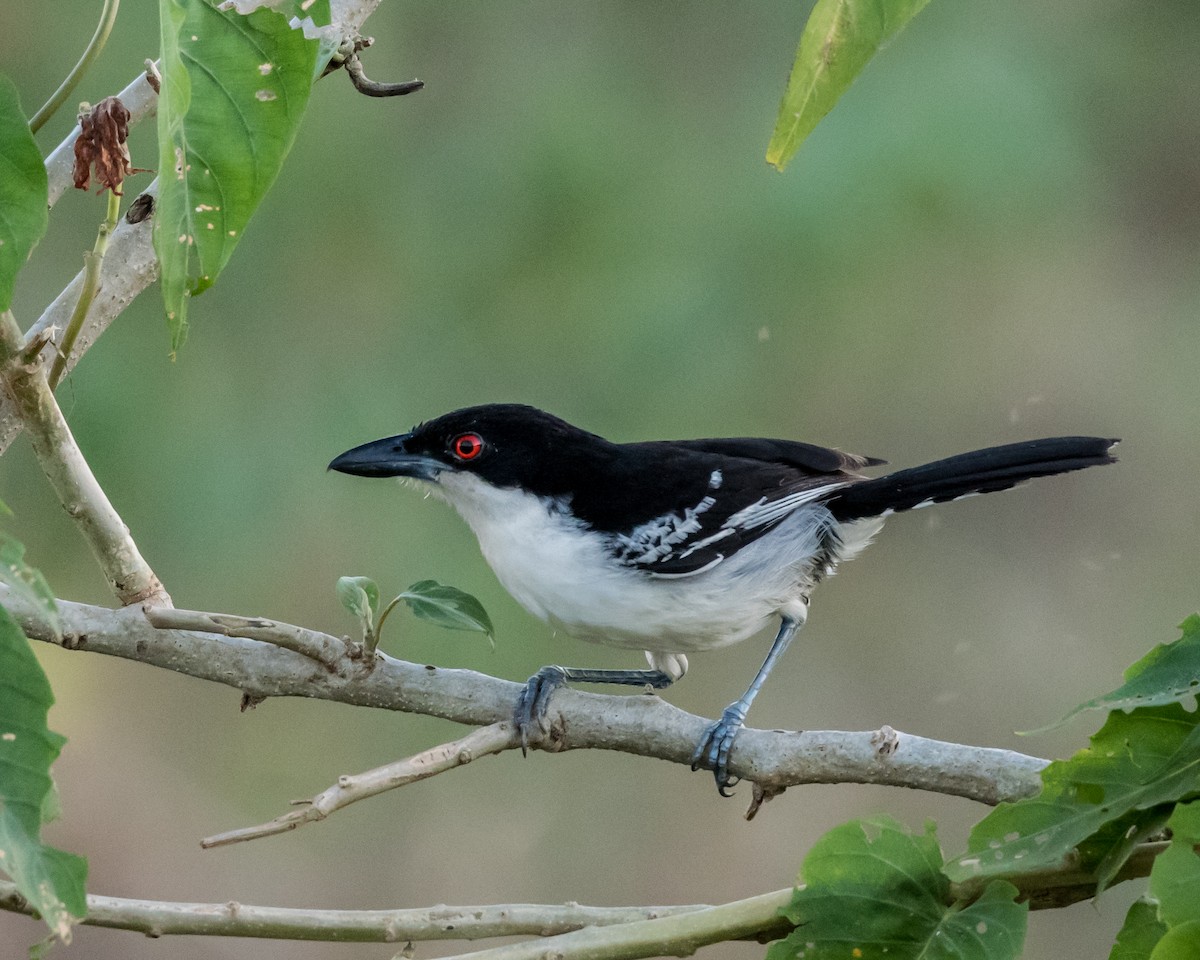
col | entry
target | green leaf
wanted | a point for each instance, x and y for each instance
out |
(25, 580)
(51, 804)
(360, 595)
(448, 607)
(873, 890)
(1135, 764)
(23, 192)
(1175, 877)
(1141, 931)
(234, 91)
(1179, 943)
(840, 38)
(1170, 673)
(51, 880)
(1111, 846)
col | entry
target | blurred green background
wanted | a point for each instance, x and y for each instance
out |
(993, 237)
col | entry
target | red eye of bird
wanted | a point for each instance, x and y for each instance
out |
(467, 446)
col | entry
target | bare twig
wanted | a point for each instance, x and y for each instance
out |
(679, 935)
(354, 787)
(160, 918)
(318, 646)
(641, 725)
(128, 574)
(373, 88)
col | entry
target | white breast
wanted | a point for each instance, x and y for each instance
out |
(565, 574)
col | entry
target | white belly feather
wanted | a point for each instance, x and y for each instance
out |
(570, 580)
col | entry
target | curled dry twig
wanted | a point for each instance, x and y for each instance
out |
(347, 57)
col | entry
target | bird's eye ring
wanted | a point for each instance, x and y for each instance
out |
(467, 446)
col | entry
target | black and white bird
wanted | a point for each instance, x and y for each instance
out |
(676, 546)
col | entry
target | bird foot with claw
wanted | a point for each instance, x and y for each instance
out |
(712, 752)
(534, 700)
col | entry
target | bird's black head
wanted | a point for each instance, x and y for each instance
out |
(506, 444)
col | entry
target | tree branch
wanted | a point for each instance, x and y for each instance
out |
(313, 644)
(641, 725)
(24, 381)
(565, 931)
(679, 935)
(351, 788)
(157, 918)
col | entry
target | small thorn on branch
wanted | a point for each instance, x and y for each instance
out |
(760, 796)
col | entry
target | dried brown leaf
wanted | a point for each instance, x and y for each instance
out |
(101, 146)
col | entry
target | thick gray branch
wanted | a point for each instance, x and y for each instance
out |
(642, 725)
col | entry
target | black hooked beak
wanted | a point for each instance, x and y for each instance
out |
(387, 458)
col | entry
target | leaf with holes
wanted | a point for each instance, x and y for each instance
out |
(448, 607)
(51, 880)
(1136, 765)
(871, 889)
(1170, 673)
(23, 191)
(840, 38)
(234, 90)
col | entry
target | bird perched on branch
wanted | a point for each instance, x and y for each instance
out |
(676, 546)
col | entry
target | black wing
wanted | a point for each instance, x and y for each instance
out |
(806, 457)
(710, 504)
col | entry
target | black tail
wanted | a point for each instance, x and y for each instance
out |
(982, 471)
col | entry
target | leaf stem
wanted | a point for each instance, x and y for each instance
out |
(383, 616)
(108, 16)
(93, 262)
